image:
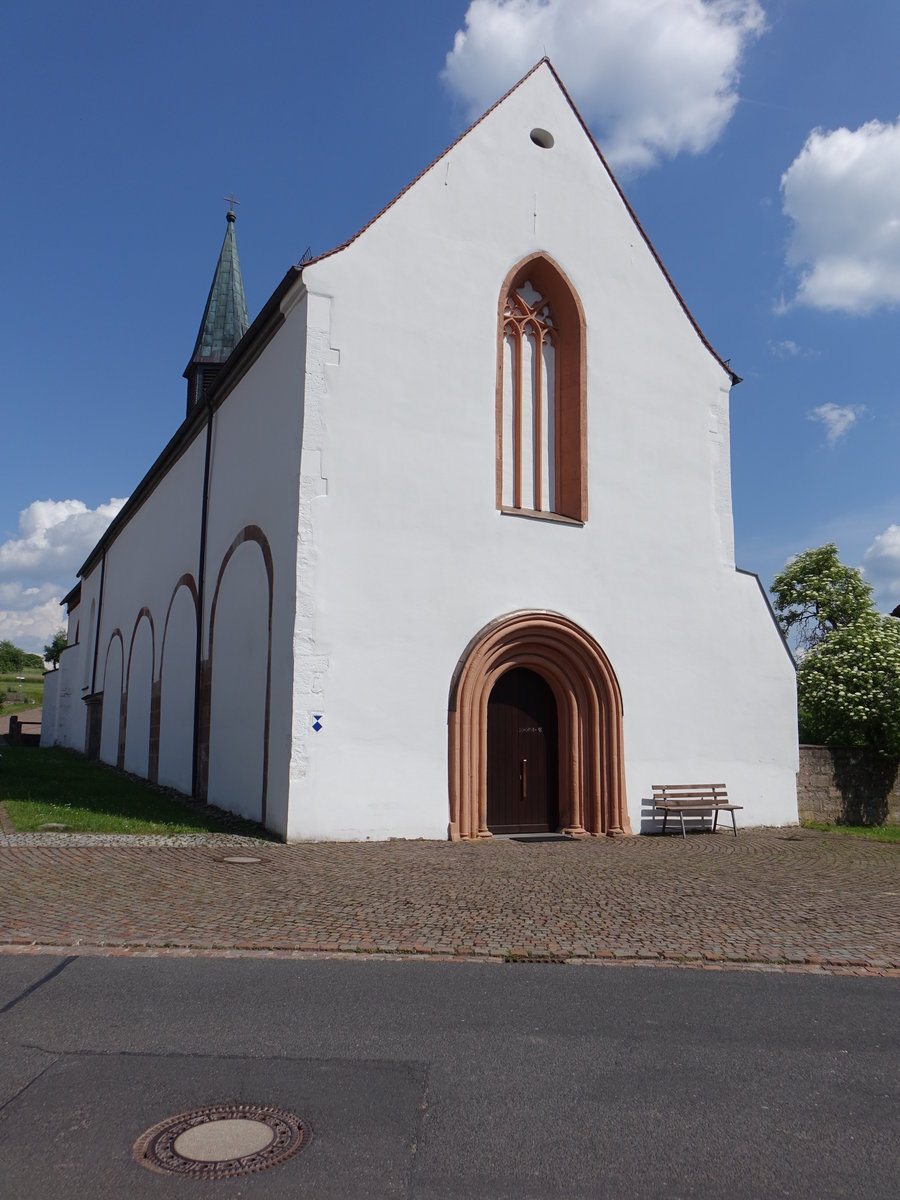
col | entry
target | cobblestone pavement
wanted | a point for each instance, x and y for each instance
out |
(791, 897)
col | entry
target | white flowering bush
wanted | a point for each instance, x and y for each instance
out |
(848, 678)
(848, 686)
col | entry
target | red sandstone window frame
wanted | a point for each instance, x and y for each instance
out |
(568, 337)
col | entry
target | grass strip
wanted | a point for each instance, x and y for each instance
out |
(50, 785)
(875, 833)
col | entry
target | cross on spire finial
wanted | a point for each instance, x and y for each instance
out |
(230, 215)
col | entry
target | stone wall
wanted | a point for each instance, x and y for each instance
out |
(849, 784)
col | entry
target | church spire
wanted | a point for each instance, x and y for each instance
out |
(224, 321)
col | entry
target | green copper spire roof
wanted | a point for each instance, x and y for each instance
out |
(225, 317)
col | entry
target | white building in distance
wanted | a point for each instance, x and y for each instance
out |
(444, 543)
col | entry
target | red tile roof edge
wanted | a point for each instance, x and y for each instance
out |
(668, 278)
(412, 183)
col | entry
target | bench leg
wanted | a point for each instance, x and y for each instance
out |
(734, 822)
(715, 820)
(665, 818)
(681, 814)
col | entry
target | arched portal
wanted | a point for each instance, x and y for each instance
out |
(590, 753)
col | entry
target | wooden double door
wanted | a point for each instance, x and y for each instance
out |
(522, 755)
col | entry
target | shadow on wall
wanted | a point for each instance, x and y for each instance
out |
(23, 732)
(853, 785)
(865, 781)
(700, 820)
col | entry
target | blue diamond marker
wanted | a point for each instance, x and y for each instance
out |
(317, 721)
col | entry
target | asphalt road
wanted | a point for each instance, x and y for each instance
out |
(427, 1079)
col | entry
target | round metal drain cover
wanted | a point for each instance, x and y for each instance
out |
(221, 1141)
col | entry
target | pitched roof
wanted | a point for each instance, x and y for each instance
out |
(225, 319)
(271, 318)
(545, 61)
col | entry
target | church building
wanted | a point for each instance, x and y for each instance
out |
(444, 544)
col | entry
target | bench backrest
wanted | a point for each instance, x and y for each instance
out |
(691, 793)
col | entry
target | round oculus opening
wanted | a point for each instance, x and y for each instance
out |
(541, 138)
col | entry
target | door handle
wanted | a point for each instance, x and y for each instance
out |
(524, 774)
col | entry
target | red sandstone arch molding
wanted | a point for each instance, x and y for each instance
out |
(120, 745)
(589, 707)
(186, 581)
(144, 612)
(250, 533)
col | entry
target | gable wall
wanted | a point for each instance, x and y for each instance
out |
(411, 556)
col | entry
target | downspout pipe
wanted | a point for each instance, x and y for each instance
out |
(201, 577)
(97, 630)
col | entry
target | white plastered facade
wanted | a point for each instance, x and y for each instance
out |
(362, 442)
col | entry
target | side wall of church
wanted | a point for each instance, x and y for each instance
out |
(250, 597)
(145, 678)
(63, 716)
(404, 555)
(145, 568)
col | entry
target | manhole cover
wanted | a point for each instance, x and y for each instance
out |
(221, 1142)
(240, 859)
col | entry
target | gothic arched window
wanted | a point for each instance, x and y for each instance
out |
(541, 419)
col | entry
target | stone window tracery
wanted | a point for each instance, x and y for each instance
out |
(529, 401)
(541, 394)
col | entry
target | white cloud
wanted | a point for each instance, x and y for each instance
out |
(38, 567)
(55, 537)
(790, 349)
(30, 616)
(881, 564)
(842, 193)
(837, 419)
(654, 78)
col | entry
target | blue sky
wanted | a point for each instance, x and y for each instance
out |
(759, 144)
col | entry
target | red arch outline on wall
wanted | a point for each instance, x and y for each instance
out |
(144, 612)
(589, 708)
(189, 582)
(116, 633)
(250, 533)
(120, 749)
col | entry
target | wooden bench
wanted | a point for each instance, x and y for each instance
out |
(696, 799)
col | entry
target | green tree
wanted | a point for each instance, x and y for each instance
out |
(848, 681)
(816, 594)
(54, 648)
(11, 657)
(848, 686)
